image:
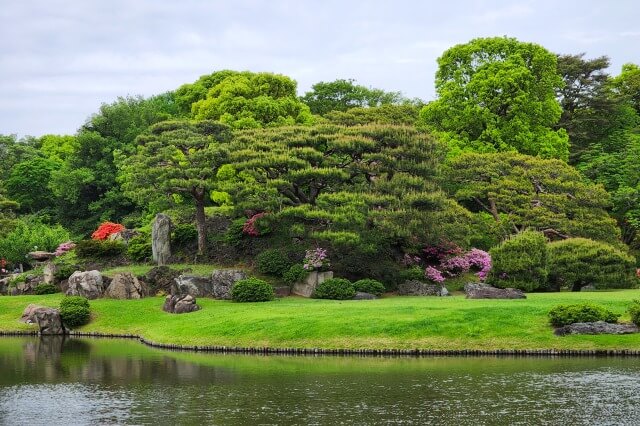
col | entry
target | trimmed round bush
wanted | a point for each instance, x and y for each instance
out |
(583, 312)
(368, 285)
(272, 262)
(74, 311)
(252, 290)
(45, 289)
(520, 262)
(296, 273)
(335, 289)
(634, 312)
(576, 262)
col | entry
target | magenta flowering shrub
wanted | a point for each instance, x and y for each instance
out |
(432, 274)
(480, 260)
(410, 260)
(455, 265)
(441, 251)
(449, 261)
(65, 248)
(316, 259)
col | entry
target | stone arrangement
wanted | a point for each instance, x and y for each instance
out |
(419, 288)
(599, 327)
(180, 304)
(484, 291)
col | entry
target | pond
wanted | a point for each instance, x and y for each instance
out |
(107, 381)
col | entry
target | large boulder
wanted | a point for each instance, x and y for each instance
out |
(308, 286)
(193, 285)
(87, 284)
(180, 304)
(48, 319)
(161, 278)
(599, 327)
(161, 239)
(360, 295)
(223, 280)
(125, 285)
(419, 288)
(484, 291)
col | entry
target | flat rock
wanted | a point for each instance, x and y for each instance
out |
(599, 327)
(41, 256)
(180, 304)
(360, 295)
(87, 284)
(419, 288)
(484, 291)
(125, 285)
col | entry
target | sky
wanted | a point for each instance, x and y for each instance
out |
(61, 59)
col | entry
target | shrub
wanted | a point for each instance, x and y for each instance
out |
(45, 289)
(184, 234)
(335, 289)
(412, 274)
(92, 249)
(74, 311)
(272, 262)
(316, 260)
(139, 248)
(369, 286)
(584, 312)
(520, 262)
(634, 312)
(577, 262)
(29, 235)
(252, 290)
(106, 229)
(296, 273)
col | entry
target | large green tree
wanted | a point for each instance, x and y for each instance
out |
(498, 94)
(530, 192)
(177, 158)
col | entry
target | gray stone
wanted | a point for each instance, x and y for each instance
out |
(360, 295)
(419, 288)
(193, 285)
(180, 304)
(49, 272)
(223, 280)
(87, 284)
(25, 287)
(484, 291)
(48, 319)
(589, 287)
(161, 278)
(125, 285)
(41, 256)
(282, 291)
(308, 286)
(161, 239)
(599, 327)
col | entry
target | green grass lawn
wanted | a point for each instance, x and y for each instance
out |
(391, 322)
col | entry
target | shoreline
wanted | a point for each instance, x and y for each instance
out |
(417, 352)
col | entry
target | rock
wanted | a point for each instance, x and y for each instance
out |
(589, 287)
(49, 273)
(161, 278)
(161, 239)
(125, 235)
(419, 288)
(308, 286)
(87, 284)
(282, 291)
(599, 327)
(25, 287)
(125, 285)
(193, 285)
(4, 285)
(180, 304)
(48, 319)
(41, 256)
(360, 295)
(484, 291)
(223, 280)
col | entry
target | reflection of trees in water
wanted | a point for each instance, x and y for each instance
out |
(60, 358)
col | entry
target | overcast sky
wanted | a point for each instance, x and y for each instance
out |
(59, 60)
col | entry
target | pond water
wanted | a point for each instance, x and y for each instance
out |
(104, 381)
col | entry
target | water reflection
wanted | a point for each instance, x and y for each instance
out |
(82, 381)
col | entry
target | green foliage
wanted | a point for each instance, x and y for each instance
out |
(252, 290)
(28, 184)
(139, 248)
(98, 249)
(29, 234)
(398, 115)
(577, 262)
(334, 289)
(634, 312)
(296, 273)
(184, 234)
(520, 262)
(272, 262)
(412, 274)
(585, 312)
(75, 311)
(521, 192)
(498, 94)
(46, 289)
(368, 285)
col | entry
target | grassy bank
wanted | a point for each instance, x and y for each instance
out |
(393, 322)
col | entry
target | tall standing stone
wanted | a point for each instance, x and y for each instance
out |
(161, 239)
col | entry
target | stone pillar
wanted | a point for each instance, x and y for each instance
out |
(49, 273)
(161, 239)
(308, 286)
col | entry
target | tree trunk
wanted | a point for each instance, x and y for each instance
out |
(200, 221)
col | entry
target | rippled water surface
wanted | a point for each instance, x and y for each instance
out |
(81, 381)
